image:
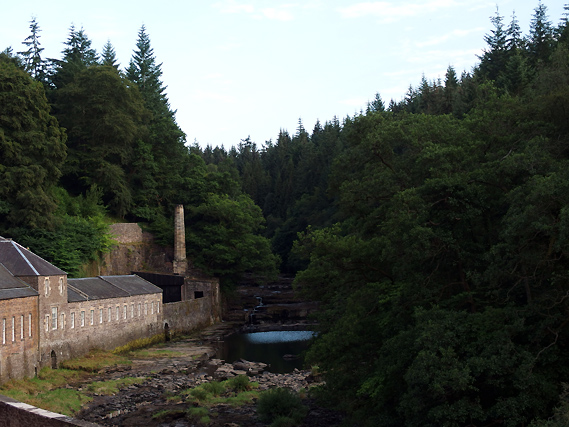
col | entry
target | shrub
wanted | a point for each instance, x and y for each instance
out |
(280, 403)
(239, 383)
(216, 388)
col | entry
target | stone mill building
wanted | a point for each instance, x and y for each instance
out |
(47, 317)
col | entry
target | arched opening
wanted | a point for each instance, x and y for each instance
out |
(53, 360)
(167, 332)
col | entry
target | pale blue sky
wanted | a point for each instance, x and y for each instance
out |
(236, 68)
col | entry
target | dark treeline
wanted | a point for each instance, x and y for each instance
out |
(82, 140)
(435, 231)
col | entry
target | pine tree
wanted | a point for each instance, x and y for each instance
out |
(494, 59)
(376, 105)
(146, 73)
(514, 41)
(540, 41)
(77, 56)
(109, 56)
(35, 65)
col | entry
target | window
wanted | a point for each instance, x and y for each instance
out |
(100, 315)
(47, 322)
(22, 327)
(53, 317)
(3, 331)
(158, 307)
(132, 310)
(125, 311)
(72, 320)
(139, 310)
(62, 320)
(92, 316)
(46, 286)
(61, 285)
(152, 307)
(82, 318)
(118, 313)
(110, 314)
(30, 324)
(146, 309)
(13, 328)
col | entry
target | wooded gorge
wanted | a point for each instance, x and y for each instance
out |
(434, 230)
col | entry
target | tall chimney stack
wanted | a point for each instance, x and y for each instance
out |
(180, 263)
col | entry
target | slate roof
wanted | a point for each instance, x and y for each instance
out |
(21, 262)
(104, 287)
(12, 287)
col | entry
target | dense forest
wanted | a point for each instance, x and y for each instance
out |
(434, 229)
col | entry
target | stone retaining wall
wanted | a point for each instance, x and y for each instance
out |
(18, 414)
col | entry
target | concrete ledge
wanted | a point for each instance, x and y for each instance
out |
(17, 414)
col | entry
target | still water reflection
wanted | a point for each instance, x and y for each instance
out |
(274, 348)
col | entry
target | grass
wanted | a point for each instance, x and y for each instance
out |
(216, 393)
(138, 344)
(111, 387)
(155, 352)
(95, 361)
(48, 391)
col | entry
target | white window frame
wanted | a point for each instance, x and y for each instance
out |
(72, 320)
(82, 318)
(22, 327)
(4, 331)
(29, 324)
(53, 318)
(110, 316)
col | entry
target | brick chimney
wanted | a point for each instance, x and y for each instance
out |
(180, 264)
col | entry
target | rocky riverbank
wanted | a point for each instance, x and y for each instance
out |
(192, 363)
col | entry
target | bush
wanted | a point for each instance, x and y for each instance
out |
(239, 383)
(280, 403)
(216, 388)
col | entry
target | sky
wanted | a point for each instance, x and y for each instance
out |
(249, 68)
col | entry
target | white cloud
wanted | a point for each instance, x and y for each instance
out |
(453, 34)
(391, 12)
(355, 102)
(212, 96)
(277, 13)
(231, 6)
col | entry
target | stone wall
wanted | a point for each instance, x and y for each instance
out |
(104, 324)
(134, 250)
(194, 313)
(18, 414)
(19, 338)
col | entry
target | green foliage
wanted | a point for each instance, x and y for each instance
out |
(239, 383)
(215, 388)
(280, 404)
(32, 151)
(223, 239)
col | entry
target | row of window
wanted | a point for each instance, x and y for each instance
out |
(16, 326)
(110, 316)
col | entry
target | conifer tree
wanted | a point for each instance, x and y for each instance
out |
(109, 56)
(77, 56)
(540, 41)
(35, 65)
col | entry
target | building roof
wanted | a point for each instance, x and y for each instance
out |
(12, 287)
(21, 262)
(104, 287)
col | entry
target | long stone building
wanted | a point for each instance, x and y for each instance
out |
(47, 318)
